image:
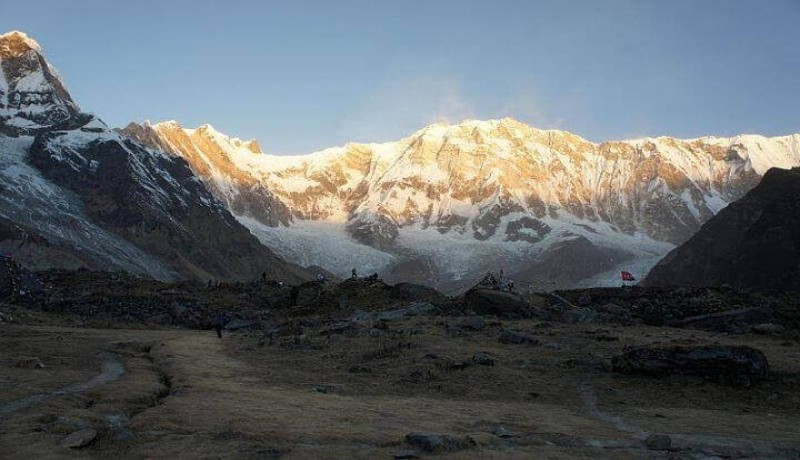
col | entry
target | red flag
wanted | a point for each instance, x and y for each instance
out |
(626, 276)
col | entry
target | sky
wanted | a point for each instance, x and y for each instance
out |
(302, 75)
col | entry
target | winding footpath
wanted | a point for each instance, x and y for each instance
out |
(112, 370)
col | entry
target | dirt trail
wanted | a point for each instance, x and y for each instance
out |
(704, 445)
(112, 370)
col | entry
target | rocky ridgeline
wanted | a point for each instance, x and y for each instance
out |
(109, 299)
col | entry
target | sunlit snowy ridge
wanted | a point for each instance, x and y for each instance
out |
(452, 201)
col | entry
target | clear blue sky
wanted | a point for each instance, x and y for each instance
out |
(304, 75)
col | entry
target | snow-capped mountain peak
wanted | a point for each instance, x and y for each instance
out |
(90, 197)
(14, 43)
(32, 94)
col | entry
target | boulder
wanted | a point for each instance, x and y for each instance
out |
(28, 362)
(514, 337)
(467, 323)
(658, 442)
(502, 432)
(416, 293)
(499, 303)
(726, 364)
(483, 359)
(80, 438)
(434, 443)
(768, 329)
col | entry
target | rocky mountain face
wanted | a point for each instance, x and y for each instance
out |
(752, 243)
(452, 201)
(75, 193)
(208, 153)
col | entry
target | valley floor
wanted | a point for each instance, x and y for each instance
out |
(188, 394)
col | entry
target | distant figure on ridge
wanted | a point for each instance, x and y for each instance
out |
(354, 275)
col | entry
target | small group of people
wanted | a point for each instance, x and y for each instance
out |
(372, 277)
(499, 283)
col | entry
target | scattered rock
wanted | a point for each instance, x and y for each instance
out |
(514, 337)
(360, 370)
(340, 328)
(457, 365)
(469, 323)
(727, 364)
(483, 359)
(28, 362)
(323, 390)
(658, 442)
(434, 443)
(427, 442)
(502, 432)
(607, 338)
(768, 329)
(63, 425)
(405, 454)
(80, 438)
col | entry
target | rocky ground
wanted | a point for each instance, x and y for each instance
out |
(104, 365)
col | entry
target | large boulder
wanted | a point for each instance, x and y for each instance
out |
(435, 443)
(726, 364)
(79, 439)
(416, 293)
(499, 303)
(737, 321)
(514, 337)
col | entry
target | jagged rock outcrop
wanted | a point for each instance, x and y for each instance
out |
(753, 243)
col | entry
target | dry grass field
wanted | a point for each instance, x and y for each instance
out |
(309, 392)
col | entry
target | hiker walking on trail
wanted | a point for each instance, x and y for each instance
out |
(220, 322)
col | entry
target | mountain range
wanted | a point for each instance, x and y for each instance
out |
(440, 207)
(450, 202)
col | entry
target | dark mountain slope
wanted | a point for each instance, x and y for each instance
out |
(752, 243)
